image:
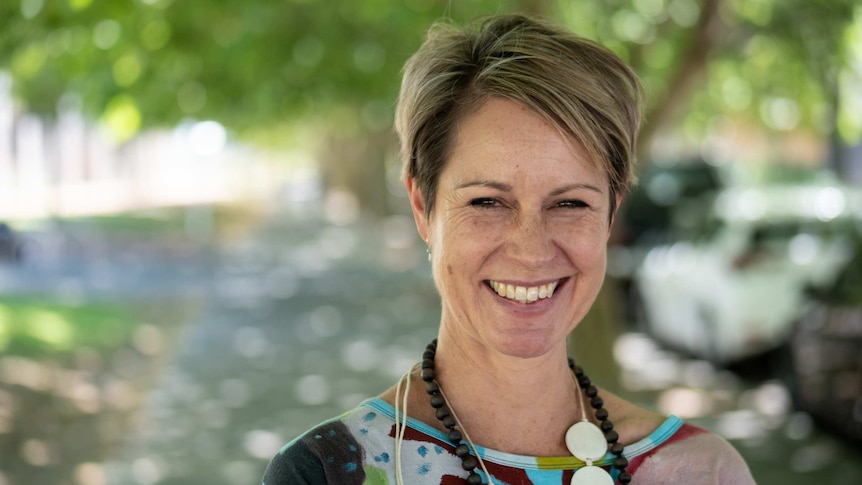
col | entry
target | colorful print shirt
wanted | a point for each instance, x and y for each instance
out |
(359, 448)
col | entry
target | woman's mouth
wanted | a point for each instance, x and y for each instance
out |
(523, 294)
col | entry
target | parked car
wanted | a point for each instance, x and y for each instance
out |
(667, 196)
(667, 205)
(825, 352)
(732, 288)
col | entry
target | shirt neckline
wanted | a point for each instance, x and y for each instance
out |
(651, 441)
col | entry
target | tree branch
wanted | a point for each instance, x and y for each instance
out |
(685, 80)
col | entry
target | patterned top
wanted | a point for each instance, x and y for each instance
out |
(359, 448)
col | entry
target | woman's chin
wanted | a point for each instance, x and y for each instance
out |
(527, 347)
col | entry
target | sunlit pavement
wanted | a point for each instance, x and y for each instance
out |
(295, 324)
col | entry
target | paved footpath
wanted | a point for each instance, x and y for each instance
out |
(300, 323)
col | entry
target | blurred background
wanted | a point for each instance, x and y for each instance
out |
(205, 248)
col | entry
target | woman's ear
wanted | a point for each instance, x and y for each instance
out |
(417, 204)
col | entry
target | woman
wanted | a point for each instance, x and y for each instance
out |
(518, 142)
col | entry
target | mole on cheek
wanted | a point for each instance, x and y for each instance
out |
(449, 269)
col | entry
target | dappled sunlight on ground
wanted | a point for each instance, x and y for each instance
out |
(62, 413)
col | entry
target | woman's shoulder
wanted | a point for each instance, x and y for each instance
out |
(297, 463)
(695, 456)
(331, 452)
(662, 449)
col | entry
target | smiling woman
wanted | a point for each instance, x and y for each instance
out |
(517, 205)
(517, 139)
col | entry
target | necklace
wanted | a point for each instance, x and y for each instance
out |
(584, 440)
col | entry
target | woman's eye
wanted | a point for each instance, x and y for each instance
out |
(484, 202)
(573, 204)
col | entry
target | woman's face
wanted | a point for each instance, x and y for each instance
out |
(518, 232)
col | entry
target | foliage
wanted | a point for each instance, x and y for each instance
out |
(246, 64)
(775, 62)
(260, 66)
(781, 61)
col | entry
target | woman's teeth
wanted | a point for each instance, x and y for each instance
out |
(524, 294)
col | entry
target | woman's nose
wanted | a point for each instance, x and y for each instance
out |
(530, 242)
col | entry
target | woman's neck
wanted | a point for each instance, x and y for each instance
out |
(521, 406)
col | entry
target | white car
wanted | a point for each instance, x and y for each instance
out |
(735, 291)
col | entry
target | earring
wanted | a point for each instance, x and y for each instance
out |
(428, 249)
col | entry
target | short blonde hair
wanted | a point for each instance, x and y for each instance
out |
(578, 85)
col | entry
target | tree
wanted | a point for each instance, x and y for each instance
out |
(771, 62)
(265, 67)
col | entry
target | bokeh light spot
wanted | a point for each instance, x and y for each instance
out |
(79, 4)
(736, 93)
(147, 471)
(780, 113)
(207, 137)
(341, 207)
(50, 328)
(29, 60)
(235, 393)
(803, 249)
(126, 70)
(90, 474)
(360, 355)
(685, 403)
(308, 51)
(369, 57)
(156, 34)
(192, 97)
(148, 340)
(31, 8)
(684, 12)
(106, 34)
(36, 452)
(122, 117)
(829, 203)
(262, 444)
(312, 390)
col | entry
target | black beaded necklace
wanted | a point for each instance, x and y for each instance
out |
(462, 450)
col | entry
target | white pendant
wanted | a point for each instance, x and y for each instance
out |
(592, 475)
(586, 441)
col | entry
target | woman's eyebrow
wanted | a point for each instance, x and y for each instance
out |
(566, 188)
(485, 183)
(508, 188)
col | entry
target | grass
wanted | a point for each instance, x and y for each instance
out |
(41, 325)
(165, 221)
(36, 325)
(151, 223)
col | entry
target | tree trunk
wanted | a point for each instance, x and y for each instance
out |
(357, 164)
(686, 79)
